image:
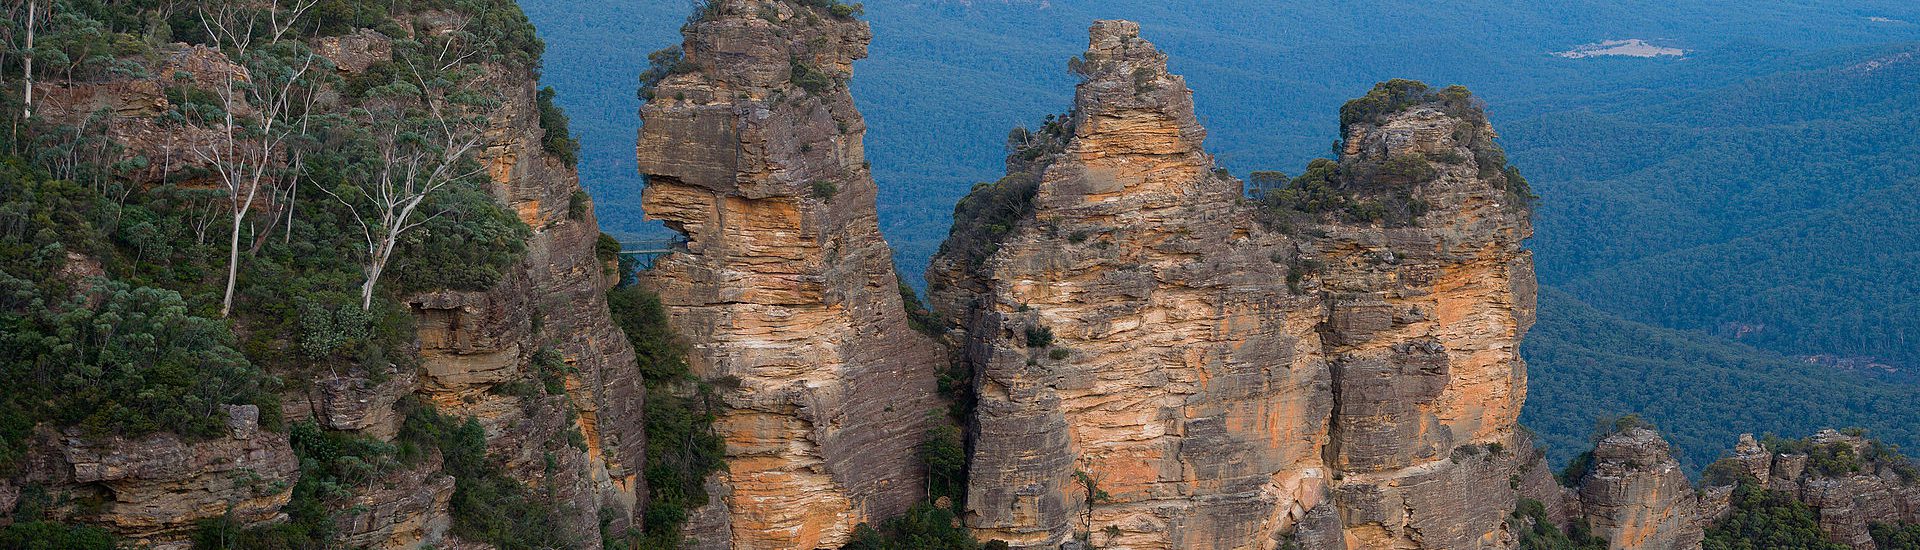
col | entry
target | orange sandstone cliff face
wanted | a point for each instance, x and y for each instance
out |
(785, 290)
(1157, 369)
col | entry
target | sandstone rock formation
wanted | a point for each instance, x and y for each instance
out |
(1846, 501)
(155, 489)
(785, 290)
(554, 300)
(1156, 368)
(1636, 495)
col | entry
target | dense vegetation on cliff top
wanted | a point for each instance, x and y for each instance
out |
(114, 266)
(1769, 519)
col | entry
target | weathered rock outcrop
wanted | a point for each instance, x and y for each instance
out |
(553, 301)
(1863, 482)
(785, 289)
(154, 490)
(1144, 377)
(1156, 368)
(1636, 495)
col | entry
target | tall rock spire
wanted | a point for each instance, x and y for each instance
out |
(1161, 363)
(1145, 378)
(785, 290)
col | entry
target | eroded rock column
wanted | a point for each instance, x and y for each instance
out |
(785, 290)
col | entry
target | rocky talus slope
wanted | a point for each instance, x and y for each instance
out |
(154, 491)
(1156, 368)
(785, 291)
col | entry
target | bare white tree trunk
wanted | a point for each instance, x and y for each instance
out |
(28, 115)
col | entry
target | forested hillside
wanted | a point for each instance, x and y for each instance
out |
(1758, 186)
(1702, 392)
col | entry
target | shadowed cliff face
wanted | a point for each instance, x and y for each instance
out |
(753, 152)
(1156, 369)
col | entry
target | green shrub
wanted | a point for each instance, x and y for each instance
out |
(682, 446)
(1039, 336)
(1576, 469)
(558, 138)
(44, 535)
(1836, 459)
(1539, 533)
(824, 190)
(810, 79)
(1763, 518)
(921, 319)
(924, 527)
(1407, 169)
(945, 455)
(1896, 537)
(468, 247)
(661, 64)
(837, 9)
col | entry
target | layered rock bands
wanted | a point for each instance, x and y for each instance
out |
(1157, 368)
(785, 291)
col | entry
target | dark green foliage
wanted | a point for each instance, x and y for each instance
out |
(640, 314)
(1407, 170)
(945, 455)
(1262, 182)
(558, 138)
(666, 62)
(924, 527)
(1725, 472)
(811, 79)
(987, 216)
(1539, 533)
(551, 368)
(1374, 194)
(31, 530)
(922, 319)
(1839, 459)
(823, 190)
(682, 447)
(1393, 96)
(1834, 460)
(577, 204)
(1039, 336)
(468, 247)
(1896, 537)
(43, 535)
(607, 250)
(1576, 469)
(1768, 519)
(110, 357)
(489, 506)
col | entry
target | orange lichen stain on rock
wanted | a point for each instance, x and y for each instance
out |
(500, 166)
(529, 212)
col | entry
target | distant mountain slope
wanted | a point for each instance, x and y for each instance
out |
(1781, 209)
(1702, 391)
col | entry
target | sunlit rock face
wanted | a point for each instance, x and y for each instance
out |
(1156, 368)
(785, 290)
